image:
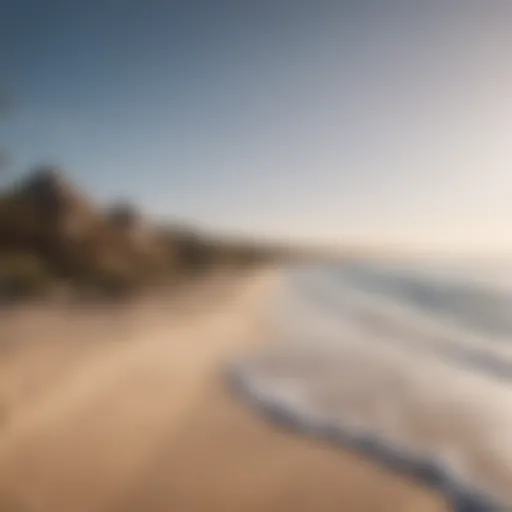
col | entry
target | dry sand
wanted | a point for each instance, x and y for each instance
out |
(126, 410)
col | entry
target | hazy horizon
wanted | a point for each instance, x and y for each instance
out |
(377, 123)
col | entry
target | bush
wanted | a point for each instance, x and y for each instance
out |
(109, 284)
(22, 275)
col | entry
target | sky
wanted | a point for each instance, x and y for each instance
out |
(337, 122)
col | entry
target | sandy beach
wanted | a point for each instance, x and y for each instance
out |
(127, 410)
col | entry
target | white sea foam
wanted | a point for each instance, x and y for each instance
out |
(416, 391)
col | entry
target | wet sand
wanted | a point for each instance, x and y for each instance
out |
(147, 423)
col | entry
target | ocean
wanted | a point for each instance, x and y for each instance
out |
(409, 362)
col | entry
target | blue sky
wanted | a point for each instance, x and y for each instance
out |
(383, 121)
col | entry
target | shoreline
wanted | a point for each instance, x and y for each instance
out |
(149, 424)
(266, 381)
(434, 475)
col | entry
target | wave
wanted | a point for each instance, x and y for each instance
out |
(422, 394)
(400, 323)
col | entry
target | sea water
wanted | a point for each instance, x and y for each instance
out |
(408, 362)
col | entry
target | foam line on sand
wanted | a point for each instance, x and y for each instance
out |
(285, 408)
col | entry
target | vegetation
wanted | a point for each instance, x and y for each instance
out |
(22, 275)
(52, 234)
